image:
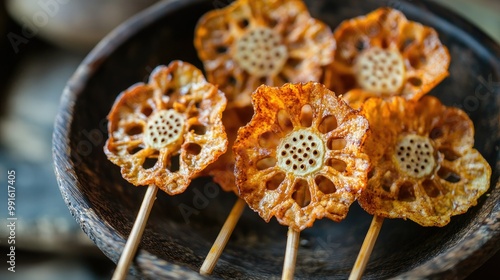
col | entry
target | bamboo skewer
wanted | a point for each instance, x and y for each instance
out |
(135, 236)
(292, 243)
(366, 248)
(220, 242)
(292, 246)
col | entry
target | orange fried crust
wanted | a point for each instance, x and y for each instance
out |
(166, 131)
(424, 165)
(222, 170)
(254, 42)
(299, 158)
(411, 59)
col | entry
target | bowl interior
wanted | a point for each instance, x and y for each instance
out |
(181, 228)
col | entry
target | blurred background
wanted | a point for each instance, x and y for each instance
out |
(42, 43)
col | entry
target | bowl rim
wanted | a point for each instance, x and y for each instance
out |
(485, 239)
(61, 151)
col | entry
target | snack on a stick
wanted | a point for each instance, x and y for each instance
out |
(254, 42)
(424, 165)
(303, 141)
(383, 54)
(165, 132)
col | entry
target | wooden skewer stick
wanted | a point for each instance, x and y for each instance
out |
(220, 242)
(134, 238)
(292, 243)
(366, 248)
(292, 247)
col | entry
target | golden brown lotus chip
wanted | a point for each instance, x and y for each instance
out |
(299, 158)
(166, 131)
(254, 42)
(383, 54)
(424, 165)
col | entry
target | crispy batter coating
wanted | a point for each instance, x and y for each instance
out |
(166, 131)
(254, 42)
(383, 54)
(424, 165)
(299, 158)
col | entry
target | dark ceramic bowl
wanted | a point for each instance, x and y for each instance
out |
(181, 228)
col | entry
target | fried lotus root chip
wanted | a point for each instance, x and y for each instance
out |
(222, 170)
(424, 165)
(299, 158)
(383, 54)
(166, 131)
(254, 42)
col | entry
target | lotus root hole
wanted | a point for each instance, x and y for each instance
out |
(134, 150)
(268, 139)
(174, 164)
(284, 121)
(149, 162)
(243, 23)
(325, 185)
(164, 127)
(133, 129)
(265, 163)
(146, 111)
(431, 188)
(301, 152)
(275, 181)
(380, 71)
(449, 154)
(198, 129)
(193, 149)
(414, 156)
(448, 175)
(436, 133)
(337, 164)
(337, 143)
(406, 192)
(415, 81)
(328, 124)
(221, 49)
(260, 52)
(301, 195)
(387, 180)
(306, 116)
